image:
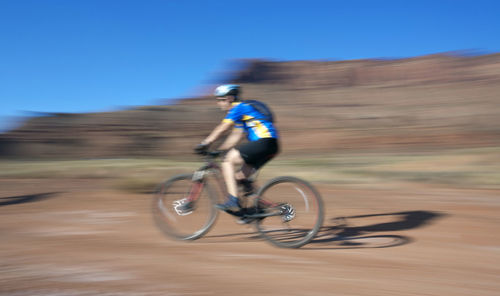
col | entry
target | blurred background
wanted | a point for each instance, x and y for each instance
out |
(442, 105)
(102, 100)
(122, 79)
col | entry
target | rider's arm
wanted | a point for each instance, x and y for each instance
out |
(232, 139)
(217, 132)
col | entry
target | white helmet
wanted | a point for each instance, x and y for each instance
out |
(227, 90)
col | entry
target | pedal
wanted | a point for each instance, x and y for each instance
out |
(238, 213)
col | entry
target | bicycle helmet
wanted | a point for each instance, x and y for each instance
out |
(227, 90)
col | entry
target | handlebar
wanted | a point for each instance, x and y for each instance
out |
(211, 154)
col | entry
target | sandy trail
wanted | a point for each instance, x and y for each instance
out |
(78, 237)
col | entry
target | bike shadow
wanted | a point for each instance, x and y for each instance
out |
(20, 199)
(345, 234)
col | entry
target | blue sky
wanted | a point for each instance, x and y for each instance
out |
(102, 55)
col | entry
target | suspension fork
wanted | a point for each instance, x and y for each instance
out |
(195, 191)
(197, 187)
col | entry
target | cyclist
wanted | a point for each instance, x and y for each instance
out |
(244, 117)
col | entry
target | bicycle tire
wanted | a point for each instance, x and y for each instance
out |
(298, 195)
(189, 226)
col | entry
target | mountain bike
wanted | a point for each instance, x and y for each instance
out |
(286, 211)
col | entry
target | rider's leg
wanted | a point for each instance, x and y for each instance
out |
(245, 172)
(255, 153)
(232, 204)
(233, 158)
(242, 178)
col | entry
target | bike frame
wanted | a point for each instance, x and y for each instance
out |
(200, 177)
(265, 203)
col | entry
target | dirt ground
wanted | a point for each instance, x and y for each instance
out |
(79, 237)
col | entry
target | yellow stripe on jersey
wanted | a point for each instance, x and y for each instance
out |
(232, 122)
(261, 130)
(247, 117)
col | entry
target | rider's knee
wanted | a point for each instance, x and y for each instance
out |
(233, 156)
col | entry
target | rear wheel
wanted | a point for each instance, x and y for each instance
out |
(178, 219)
(293, 212)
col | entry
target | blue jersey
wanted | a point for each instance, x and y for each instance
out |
(245, 116)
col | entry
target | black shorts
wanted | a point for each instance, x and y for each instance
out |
(257, 153)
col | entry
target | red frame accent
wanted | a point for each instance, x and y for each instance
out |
(195, 191)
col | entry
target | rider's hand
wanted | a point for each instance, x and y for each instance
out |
(201, 149)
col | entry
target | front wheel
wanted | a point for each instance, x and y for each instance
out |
(293, 212)
(181, 221)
